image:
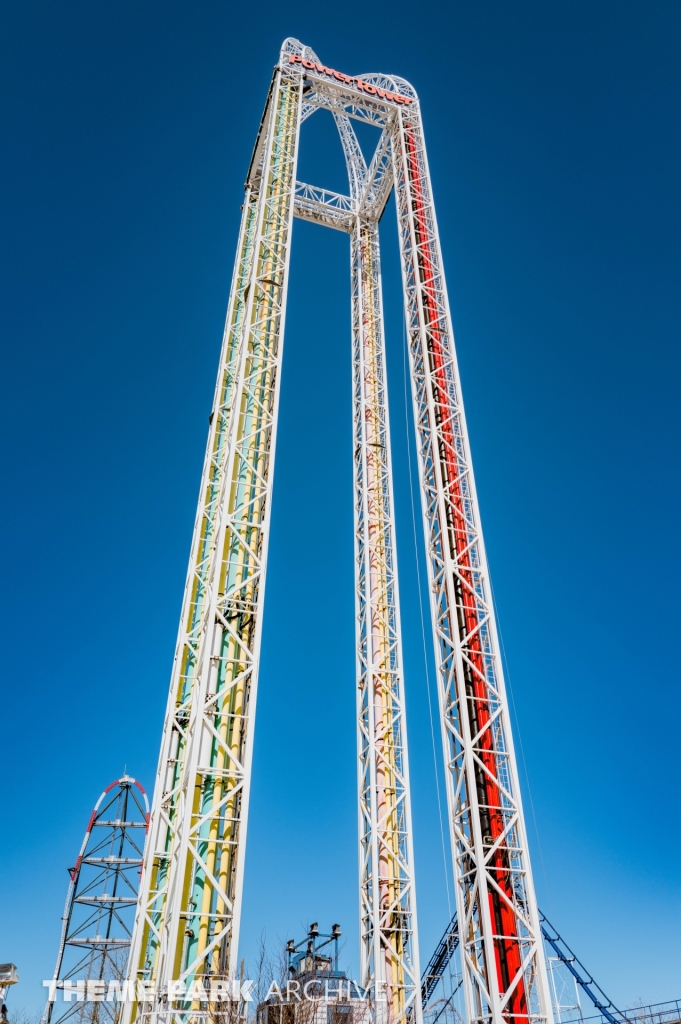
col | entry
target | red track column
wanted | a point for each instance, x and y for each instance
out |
(502, 956)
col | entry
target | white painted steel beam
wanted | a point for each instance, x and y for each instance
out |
(190, 895)
(502, 957)
(320, 206)
(388, 932)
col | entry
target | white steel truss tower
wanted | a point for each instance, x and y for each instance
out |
(190, 894)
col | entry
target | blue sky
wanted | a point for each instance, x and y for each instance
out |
(553, 140)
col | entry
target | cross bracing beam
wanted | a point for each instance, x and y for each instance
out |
(329, 209)
(354, 157)
(378, 181)
(341, 99)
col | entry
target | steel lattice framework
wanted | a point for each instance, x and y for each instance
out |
(387, 904)
(190, 896)
(99, 912)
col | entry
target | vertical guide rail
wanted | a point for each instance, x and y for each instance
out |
(502, 958)
(188, 915)
(390, 966)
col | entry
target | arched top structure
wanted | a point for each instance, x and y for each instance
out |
(391, 82)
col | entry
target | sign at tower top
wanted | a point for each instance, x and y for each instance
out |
(367, 87)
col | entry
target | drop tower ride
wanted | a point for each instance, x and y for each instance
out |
(187, 924)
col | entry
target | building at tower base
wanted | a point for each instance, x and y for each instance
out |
(315, 990)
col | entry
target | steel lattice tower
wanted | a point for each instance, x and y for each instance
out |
(98, 915)
(190, 897)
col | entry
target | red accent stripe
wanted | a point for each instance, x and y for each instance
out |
(506, 944)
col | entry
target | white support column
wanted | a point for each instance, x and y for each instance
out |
(388, 932)
(190, 895)
(502, 956)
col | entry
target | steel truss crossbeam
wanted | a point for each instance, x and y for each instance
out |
(326, 208)
(188, 917)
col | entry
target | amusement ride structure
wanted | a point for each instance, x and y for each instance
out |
(186, 929)
(187, 925)
(100, 905)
